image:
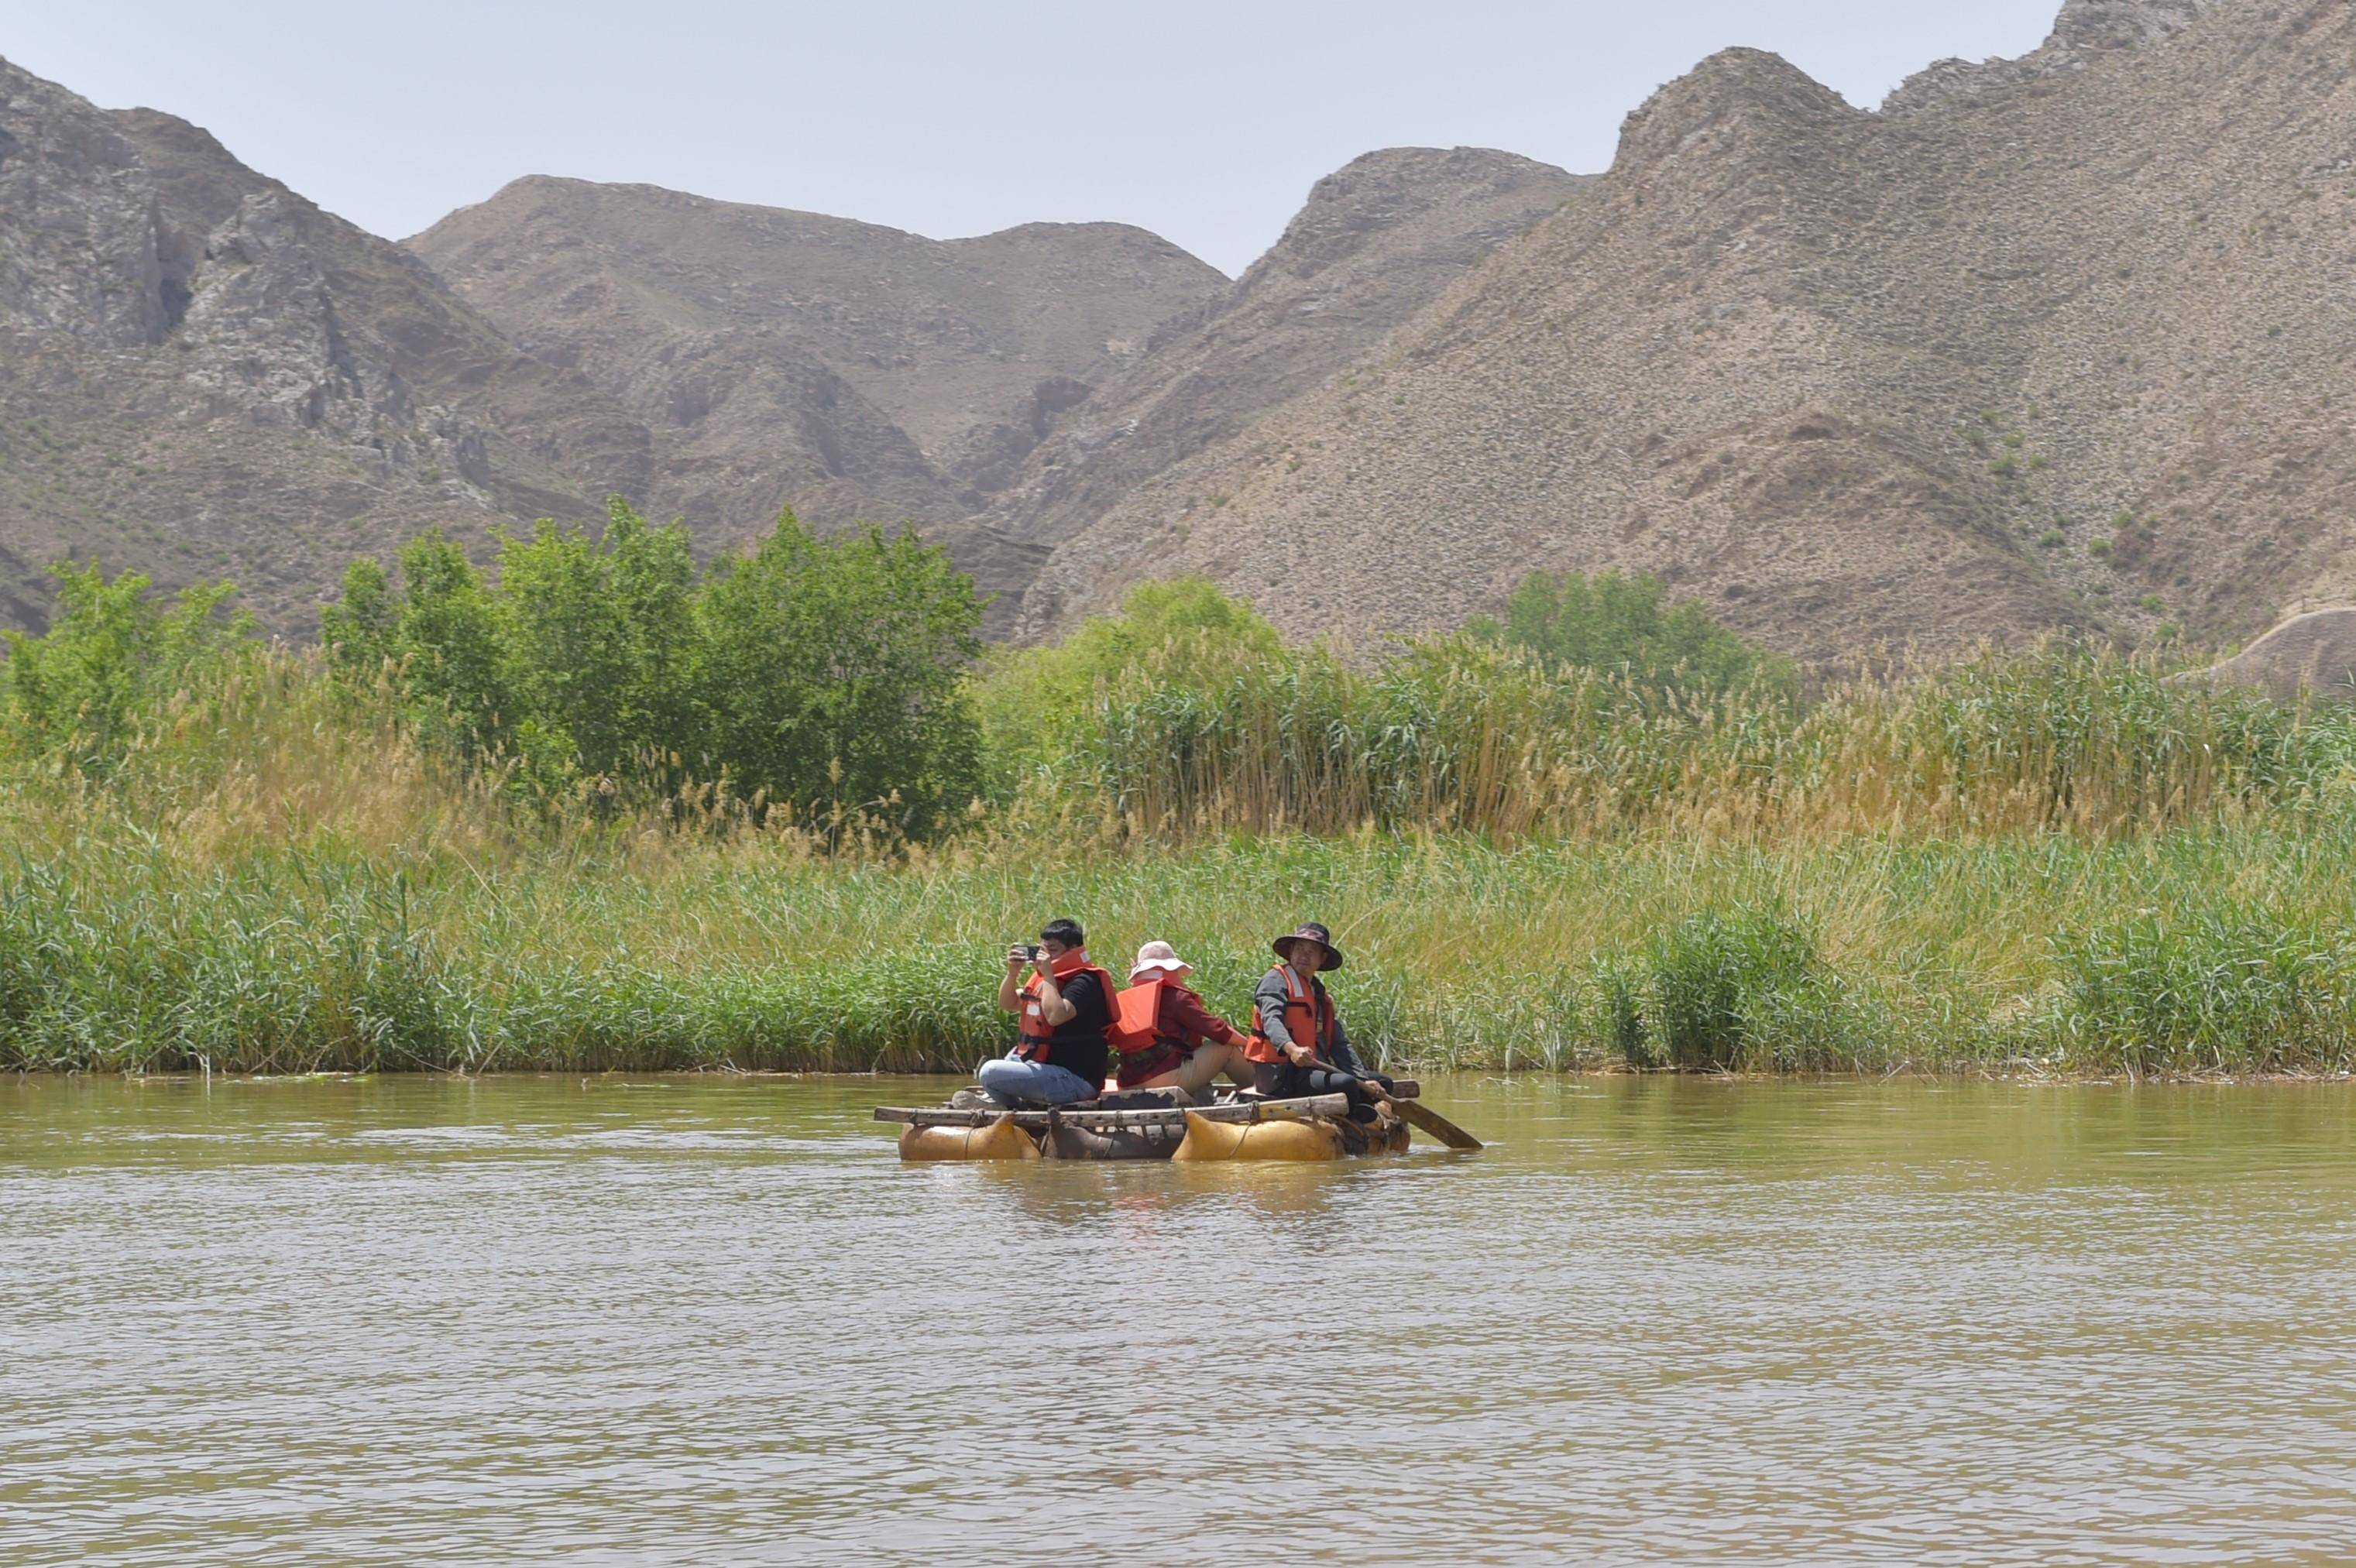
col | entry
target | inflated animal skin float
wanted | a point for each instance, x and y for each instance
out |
(1241, 1127)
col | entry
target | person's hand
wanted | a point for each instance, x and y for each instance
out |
(1300, 1056)
(1015, 958)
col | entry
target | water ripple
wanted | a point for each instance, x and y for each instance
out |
(1660, 1323)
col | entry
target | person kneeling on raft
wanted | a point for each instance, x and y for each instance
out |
(1300, 1048)
(1168, 1039)
(1066, 1006)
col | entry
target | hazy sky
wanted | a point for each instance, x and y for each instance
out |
(1205, 121)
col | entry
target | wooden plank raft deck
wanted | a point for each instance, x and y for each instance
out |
(1173, 1117)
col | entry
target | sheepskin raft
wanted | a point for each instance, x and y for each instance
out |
(1316, 1127)
(1001, 1139)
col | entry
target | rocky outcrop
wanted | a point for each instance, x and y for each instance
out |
(206, 375)
(2086, 31)
(87, 246)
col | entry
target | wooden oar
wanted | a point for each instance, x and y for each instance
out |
(1413, 1113)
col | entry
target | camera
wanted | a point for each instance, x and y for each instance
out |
(1030, 952)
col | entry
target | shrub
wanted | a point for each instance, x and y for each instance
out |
(1034, 703)
(1744, 989)
(115, 653)
(1626, 627)
(2209, 988)
(820, 675)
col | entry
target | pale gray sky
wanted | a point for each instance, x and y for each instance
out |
(1205, 122)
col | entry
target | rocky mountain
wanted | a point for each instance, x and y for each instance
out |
(1005, 390)
(2066, 340)
(2086, 30)
(1378, 242)
(922, 370)
(2069, 342)
(203, 374)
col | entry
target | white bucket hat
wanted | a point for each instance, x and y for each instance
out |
(1159, 956)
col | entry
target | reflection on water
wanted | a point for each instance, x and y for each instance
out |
(1660, 1321)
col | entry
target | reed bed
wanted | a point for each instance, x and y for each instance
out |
(2054, 863)
(2219, 950)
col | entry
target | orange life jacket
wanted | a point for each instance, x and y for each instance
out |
(1308, 1019)
(1034, 1034)
(1136, 1018)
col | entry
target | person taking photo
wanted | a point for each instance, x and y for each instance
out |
(1064, 1006)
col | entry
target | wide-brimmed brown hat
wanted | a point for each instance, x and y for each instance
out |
(1310, 931)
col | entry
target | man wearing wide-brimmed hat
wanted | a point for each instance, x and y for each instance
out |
(1301, 1047)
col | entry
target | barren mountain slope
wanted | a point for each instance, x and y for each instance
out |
(1378, 240)
(2085, 32)
(1993, 361)
(201, 374)
(968, 346)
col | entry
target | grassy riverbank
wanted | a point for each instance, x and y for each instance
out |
(2055, 861)
(2221, 948)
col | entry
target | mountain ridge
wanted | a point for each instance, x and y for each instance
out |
(2059, 342)
(1849, 378)
(1375, 242)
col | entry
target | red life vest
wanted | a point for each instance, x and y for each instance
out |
(1034, 1034)
(1308, 1019)
(1137, 1018)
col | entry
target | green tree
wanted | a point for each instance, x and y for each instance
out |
(560, 636)
(596, 634)
(828, 671)
(115, 653)
(358, 630)
(446, 637)
(652, 579)
(1626, 625)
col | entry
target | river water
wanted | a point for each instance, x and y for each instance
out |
(694, 1321)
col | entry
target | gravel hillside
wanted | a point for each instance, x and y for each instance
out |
(2067, 341)
(1377, 241)
(720, 322)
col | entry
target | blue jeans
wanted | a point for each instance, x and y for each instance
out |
(1012, 1078)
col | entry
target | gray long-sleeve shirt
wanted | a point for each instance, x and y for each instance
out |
(1269, 1003)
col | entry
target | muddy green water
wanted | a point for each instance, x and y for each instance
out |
(1661, 1322)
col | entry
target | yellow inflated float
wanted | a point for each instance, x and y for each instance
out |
(1295, 1140)
(1001, 1139)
